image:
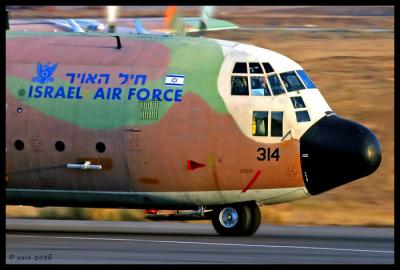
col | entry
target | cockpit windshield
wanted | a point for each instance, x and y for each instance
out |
(276, 86)
(306, 80)
(291, 81)
(259, 86)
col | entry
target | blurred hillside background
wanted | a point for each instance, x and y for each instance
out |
(353, 68)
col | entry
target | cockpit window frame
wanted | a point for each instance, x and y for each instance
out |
(266, 75)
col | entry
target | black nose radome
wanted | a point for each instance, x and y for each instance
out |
(335, 151)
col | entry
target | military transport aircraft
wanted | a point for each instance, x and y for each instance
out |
(149, 121)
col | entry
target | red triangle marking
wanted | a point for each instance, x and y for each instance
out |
(191, 165)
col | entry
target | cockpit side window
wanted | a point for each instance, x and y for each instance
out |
(260, 124)
(291, 81)
(306, 80)
(298, 102)
(240, 67)
(302, 116)
(239, 86)
(276, 85)
(255, 68)
(259, 86)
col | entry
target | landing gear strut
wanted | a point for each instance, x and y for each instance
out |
(236, 220)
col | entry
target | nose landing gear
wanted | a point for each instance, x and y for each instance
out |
(236, 220)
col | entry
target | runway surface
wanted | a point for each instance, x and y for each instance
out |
(107, 242)
(317, 29)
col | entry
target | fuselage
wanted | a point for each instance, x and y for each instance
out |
(169, 121)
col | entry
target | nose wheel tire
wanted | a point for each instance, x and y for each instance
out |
(236, 220)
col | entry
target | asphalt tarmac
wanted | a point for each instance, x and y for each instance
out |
(108, 242)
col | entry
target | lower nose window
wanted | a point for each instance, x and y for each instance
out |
(276, 124)
(260, 124)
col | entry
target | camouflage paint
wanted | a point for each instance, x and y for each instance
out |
(151, 160)
(198, 60)
(142, 156)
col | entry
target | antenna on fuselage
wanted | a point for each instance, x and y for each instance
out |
(173, 21)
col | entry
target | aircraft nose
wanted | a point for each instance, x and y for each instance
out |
(335, 151)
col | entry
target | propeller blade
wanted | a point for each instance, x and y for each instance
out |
(112, 15)
(75, 26)
(173, 21)
(206, 13)
(139, 27)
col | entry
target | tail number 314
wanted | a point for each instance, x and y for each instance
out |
(267, 154)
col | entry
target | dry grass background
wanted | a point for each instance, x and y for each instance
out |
(355, 73)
